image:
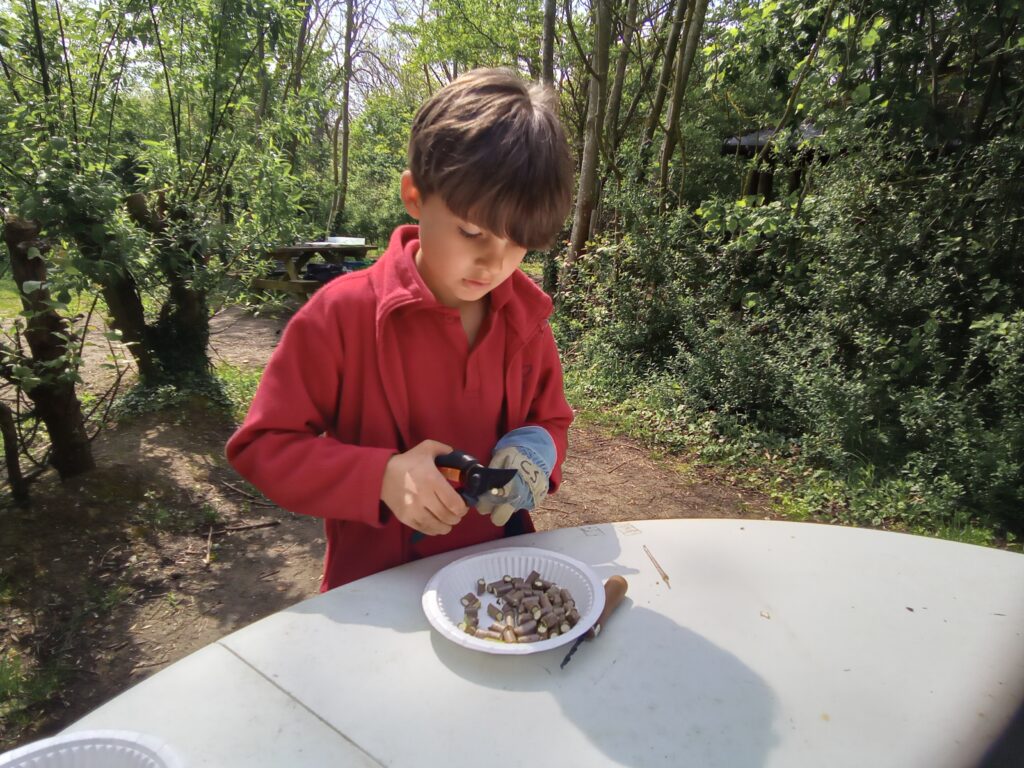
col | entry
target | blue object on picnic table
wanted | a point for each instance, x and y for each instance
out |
(324, 273)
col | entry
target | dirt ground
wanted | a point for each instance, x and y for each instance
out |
(163, 549)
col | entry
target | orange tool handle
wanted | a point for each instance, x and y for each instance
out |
(453, 465)
(451, 474)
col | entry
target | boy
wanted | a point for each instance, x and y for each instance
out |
(442, 344)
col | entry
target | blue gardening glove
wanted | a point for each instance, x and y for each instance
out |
(531, 451)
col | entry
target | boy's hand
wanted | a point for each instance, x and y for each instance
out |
(530, 451)
(418, 494)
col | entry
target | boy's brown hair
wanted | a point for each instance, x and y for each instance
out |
(491, 145)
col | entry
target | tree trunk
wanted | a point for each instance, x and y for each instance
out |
(19, 488)
(549, 281)
(346, 112)
(121, 293)
(182, 333)
(586, 198)
(127, 315)
(611, 131)
(48, 335)
(336, 197)
(683, 66)
(340, 130)
(294, 81)
(181, 336)
(263, 108)
(547, 47)
(977, 131)
(660, 92)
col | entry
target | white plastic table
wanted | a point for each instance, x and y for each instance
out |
(774, 644)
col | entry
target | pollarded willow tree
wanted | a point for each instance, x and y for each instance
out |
(103, 153)
(148, 150)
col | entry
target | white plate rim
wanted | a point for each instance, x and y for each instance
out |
(451, 632)
(143, 743)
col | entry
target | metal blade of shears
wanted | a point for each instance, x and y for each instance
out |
(614, 590)
(481, 480)
(471, 478)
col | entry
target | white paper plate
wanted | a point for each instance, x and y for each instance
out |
(93, 749)
(441, 597)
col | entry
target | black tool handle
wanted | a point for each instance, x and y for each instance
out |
(455, 466)
(456, 460)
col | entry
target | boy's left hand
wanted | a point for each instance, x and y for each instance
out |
(530, 451)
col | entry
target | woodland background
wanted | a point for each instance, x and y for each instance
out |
(795, 247)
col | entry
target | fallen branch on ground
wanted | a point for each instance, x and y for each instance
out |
(234, 528)
(209, 546)
(255, 499)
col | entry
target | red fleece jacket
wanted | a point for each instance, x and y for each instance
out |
(333, 407)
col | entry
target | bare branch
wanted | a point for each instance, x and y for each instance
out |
(10, 79)
(101, 62)
(67, 68)
(38, 31)
(175, 116)
(576, 41)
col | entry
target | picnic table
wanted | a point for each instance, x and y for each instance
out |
(294, 258)
(768, 644)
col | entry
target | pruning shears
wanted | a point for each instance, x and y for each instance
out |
(471, 478)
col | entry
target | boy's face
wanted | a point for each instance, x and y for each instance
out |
(460, 262)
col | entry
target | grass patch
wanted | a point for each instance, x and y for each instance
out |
(239, 386)
(184, 394)
(80, 303)
(23, 691)
(533, 268)
(230, 388)
(156, 512)
(10, 299)
(104, 599)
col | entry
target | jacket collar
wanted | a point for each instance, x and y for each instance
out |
(397, 283)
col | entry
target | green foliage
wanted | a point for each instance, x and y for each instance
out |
(198, 106)
(862, 325)
(185, 392)
(23, 690)
(873, 329)
(10, 299)
(457, 35)
(380, 135)
(159, 513)
(239, 387)
(229, 390)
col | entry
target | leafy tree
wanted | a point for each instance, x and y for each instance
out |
(48, 370)
(864, 319)
(144, 148)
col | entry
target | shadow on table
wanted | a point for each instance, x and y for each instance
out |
(664, 696)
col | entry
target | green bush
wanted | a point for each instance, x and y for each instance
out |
(373, 206)
(874, 326)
